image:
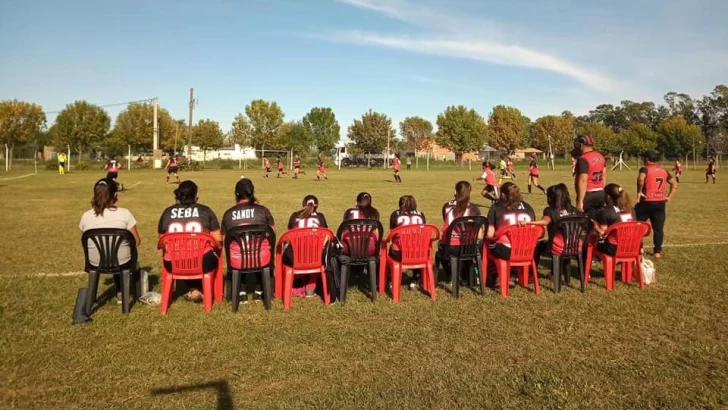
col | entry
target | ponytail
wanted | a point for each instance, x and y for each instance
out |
(407, 204)
(511, 196)
(619, 197)
(104, 196)
(462, 198)
(310, 205)
(364, 204)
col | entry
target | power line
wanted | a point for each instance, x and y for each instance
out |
(110, 105)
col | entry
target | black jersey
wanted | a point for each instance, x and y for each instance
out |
(188, 218)
(555, 216)
(246, 214)
(410, 218)
(356, 213)
(499, 217)
(315, 220)
(609, 215)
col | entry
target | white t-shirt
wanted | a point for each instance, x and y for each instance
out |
(119, 218)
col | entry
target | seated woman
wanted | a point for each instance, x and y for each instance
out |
(247, 211)
(559, 206)
(189, 216)
(451, 210)
(306, 217)
(407, 214)
(105, 214)
(362, 210)
(509, 211)
(618, 208)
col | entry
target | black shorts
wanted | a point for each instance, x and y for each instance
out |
(593, 202)
(606, 247)
(267, 170)
(709, 173)
(112, 175)
(172, 170)
(62, 164)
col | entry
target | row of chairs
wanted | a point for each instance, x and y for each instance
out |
(185, 253)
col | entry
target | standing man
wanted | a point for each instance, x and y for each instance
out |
(710, 172)
(409, 162)
(651, 184)
(590, 176)
(61, 164)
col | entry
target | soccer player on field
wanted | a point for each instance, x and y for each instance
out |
(651, 183)
(247, 211)
(296, 167)
(491, 181)
(321, 169)
(710, 171)
(677, 169)
(406, 214)
(61, 163)
(306, 217)
(189, 216)
(281, 168)
(172, 168)
(533, 174)
(266, 166)
(590, 176)
(509, 168)
(502, 166)
(395, 166)
(112, 171)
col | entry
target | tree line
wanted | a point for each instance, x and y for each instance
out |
(675, 128)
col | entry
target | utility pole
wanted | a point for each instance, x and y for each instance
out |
(386, 157)
(189, 127)
(157, 154)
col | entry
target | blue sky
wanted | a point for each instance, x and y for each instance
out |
(400, 57)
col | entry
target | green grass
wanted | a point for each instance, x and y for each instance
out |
(664, 347)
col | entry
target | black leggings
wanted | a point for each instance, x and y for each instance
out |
(606, 247)
(209, 263)
(593, 202)
(655, 213)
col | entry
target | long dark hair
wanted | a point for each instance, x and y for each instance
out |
(104, 196)
(186, 193)
(619, 197)
(364, 204)
(511, 195)
(244, 189)
(310, 205)
(462, 198)
(558, 198)
(407, 204)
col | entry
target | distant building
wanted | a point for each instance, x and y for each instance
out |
(524, 153)
(235, 153)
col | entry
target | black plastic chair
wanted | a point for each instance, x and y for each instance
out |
(575, 230)
(108, 241)
(359, 234)
(249, 239)
(467, 229)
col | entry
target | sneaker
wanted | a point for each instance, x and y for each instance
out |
(243, 298)
(414, 285)
(258, 296)
(310, 292)
(298, 292)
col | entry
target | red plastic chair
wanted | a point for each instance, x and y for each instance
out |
(416, 246)
(185, 251)
(308, 247)
(523, 241)
(629, 251)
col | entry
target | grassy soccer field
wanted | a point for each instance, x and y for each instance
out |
(664, 347)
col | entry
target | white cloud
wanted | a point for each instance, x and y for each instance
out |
(447, 44)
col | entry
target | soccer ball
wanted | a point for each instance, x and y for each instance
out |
(242, 176)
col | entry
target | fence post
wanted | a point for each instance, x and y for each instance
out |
(69, 158)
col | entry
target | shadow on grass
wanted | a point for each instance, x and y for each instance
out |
(221, 387)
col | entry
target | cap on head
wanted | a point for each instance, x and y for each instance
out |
(585, 139)
(651, 156)
(244, 189)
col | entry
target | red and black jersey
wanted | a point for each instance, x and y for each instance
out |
(711, 167)
(315, 220)
(246, 214)
(266, 163)
(509, 165)
(678, 167)
(395, 164)
(173, 163)
(354, 213)
(297, 163)
(656, 178)
(112, 165)
(610, 215)
(499, 217)
(280, 165)
(448, 213)
(533, 168)
(187, 218)
(593, 165)
(402, 219)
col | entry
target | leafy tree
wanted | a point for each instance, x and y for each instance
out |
(461, 130)
(676, 137)
(261, 127)
(417, 135)
(604, 138)
(679, 104)
(208, 136)
(81, 126)
(20, 123)
(507, 129)
(135, 126)
(637, 139)
(297, 137)
(324, 129)
(173, 137)
(713, 111)
(558, 129)
(370, 133)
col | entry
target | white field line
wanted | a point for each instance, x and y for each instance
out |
(133, 185)
(18, 177)
(82, 273)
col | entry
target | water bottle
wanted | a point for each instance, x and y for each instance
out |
(145, 282)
